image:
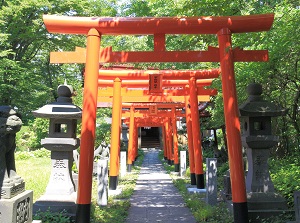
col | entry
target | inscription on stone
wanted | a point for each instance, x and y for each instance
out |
(23, 208)
(59, 164)
(258, 160)
(59, 177)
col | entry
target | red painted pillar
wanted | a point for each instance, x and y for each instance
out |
(131, 139)
(171, 150)
(167, 125)
(115, 136)
(190, 139)
(196, 134)
(136, 141)
(165, 141)
(175, 141)
(232, 123)
(88, 127)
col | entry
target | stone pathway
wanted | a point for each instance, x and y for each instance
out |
(155, 198)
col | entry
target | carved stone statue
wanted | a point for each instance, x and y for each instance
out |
(10, 124)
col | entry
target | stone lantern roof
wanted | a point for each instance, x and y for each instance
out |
(256, 106)
(62, 108)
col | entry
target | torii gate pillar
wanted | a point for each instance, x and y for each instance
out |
(190, 139)
(198, 159)
(175, 141)
(88, 127)
(170, 142)
(131, 153)
(232, 123)
(115, 136)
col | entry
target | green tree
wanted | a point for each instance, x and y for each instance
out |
(27, 79)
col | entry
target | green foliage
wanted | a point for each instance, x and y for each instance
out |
(27, 79)
(29, 137)
(39, 153)
(38, 130)
(285, 175)
(22, 138)
(50, 217)
(103, 128)
(222, 170)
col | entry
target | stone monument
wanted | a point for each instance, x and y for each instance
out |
(63, 114)
(211, 181)
(15, 202)
(257, 137)
(124, 137)
(182, 163)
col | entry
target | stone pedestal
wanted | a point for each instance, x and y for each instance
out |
(9, 191)
(17, 209)
(265, 205)
(57, 203)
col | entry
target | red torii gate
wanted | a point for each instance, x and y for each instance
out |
(159, 27)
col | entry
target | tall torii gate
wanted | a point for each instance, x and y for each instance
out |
(223, 26)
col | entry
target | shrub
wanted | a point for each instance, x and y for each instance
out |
(50, 217)
(22, 139)
(38, 130)
(285, 174)
(23, 155)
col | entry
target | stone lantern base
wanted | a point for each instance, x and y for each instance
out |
(56, 203)
(265, 205)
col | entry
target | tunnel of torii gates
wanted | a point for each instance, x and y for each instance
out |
(170, 99)
(222, 26)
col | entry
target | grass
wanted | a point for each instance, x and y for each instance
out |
(35, 169)
(36, 172)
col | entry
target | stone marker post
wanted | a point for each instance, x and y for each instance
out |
(102, 179)
(211, 181)
(15, 202)
(182, 163)
(123, 160)
(297, 205)
(124, 137)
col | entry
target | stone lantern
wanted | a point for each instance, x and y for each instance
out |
(63, 114)
(257, 137)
